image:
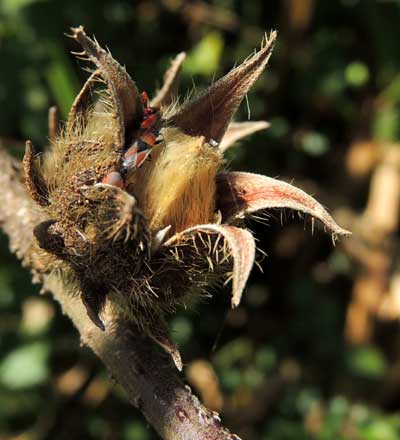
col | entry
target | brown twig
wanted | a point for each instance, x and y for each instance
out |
(147, 375)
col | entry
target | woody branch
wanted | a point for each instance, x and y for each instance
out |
(147, 375)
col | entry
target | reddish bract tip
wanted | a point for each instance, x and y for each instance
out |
(150, 121)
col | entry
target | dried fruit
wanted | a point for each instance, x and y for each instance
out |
(173, 232)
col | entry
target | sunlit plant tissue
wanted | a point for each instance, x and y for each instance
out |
(138, 211)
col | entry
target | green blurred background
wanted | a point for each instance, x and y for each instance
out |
(313, 351)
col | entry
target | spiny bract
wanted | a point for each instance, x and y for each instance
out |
(170, 234)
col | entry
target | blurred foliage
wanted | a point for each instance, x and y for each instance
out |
(283, 365)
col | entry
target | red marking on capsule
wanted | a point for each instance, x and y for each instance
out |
(134, 158)
(114, 179)
(145, 138)
(150, 121)
(131, 151)
(141, 157)
(149, 138)
(182, 415)
(145, 99)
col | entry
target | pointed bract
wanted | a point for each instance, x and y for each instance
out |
(165, 95)
(242, 250)
(82, 102)
(127, 101)
(244, 193)
(209, 114)
(239, 130)
(34, 179)
(53, 123)
(170, 347)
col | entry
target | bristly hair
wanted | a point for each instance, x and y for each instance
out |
(177, 187)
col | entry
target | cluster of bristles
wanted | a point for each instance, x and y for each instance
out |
(107, 210)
